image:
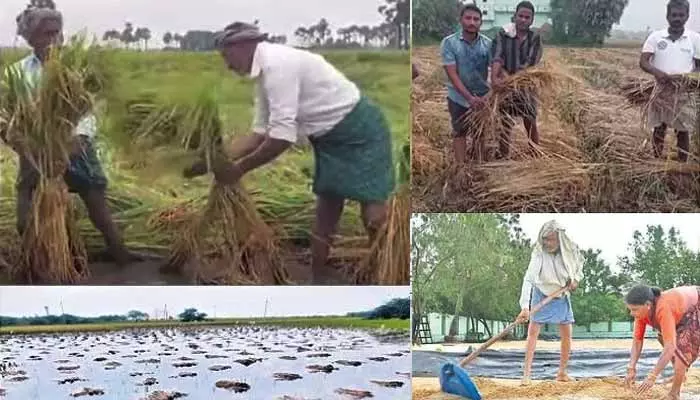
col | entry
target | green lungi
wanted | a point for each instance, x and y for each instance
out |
(84, 171)
(354, 160)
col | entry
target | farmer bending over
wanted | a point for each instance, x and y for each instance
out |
(42, 28)
(675, 316)
(515, 49)
(555, 261)
(668, 53)
(300, 94)
(466, 58)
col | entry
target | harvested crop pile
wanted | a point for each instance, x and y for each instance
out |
(594, 154)
(228, 242)
(38, 121)
(225, 240)
(589, 389)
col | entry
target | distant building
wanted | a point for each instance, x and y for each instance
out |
(499, 12)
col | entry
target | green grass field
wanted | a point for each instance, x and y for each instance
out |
(302, 322)
(282, 190)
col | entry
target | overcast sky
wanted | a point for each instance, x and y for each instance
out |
(276, 17)
(642, 13)
(611, 233)
(229, 301)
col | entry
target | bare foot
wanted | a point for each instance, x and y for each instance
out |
(526, 381)
(564, 377)
(673, 396)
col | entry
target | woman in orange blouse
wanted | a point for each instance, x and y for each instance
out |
(675, 315)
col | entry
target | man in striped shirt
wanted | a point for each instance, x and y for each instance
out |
(515, 48)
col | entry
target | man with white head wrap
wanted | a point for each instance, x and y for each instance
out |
(556, 262)
(41, 26)
(300, 95)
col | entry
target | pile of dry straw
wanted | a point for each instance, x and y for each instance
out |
(595, 154)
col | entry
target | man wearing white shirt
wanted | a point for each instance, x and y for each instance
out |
(300, 95)
(42, 28)
(667, 53)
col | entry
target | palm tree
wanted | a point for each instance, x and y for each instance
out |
(322, 30)
(111, 34)
(302, 34)
(167, 38)
(364, 32)
(143, 34)
(178, 38)
(127, 35)
(398, 13)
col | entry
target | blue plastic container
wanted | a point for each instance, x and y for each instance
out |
(455, 380)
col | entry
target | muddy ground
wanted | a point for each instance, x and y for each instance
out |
(297, 262)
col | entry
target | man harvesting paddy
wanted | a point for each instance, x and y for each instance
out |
(466, 57)
(299, 94)
(516, 48)
(42, 29)
(666, 55)
(556, 262)
(675, 315)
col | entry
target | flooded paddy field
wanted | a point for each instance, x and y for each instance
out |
(242, 362)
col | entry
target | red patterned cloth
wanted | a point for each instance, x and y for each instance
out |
(688, 335)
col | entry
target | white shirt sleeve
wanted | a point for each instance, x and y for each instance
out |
(529, 282)
(281, 85)
(87, 126)
(650, 44)
(696, 46)
(262, 113)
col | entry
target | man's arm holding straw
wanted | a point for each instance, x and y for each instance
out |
(645, 64)
(498, 55)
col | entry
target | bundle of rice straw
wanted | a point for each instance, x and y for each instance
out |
(641, 91)
(40, 125)
(226, 241)
(539, 83)
(387, 262)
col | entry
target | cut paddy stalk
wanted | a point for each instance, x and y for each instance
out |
(228, 242)
(389, 254)
(224, 241)
(39, 120)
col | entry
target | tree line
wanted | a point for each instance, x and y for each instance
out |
(395, 308)
(574, 22)
(472, 265)
(394, 31)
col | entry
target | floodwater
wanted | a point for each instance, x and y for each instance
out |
(133, 364)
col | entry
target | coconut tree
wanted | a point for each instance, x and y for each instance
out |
(167, 38)
(127, 36)
(143, 34)
(178, 38)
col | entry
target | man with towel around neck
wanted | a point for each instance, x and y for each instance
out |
(42, 28)
(301, 95)
(556, 262)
